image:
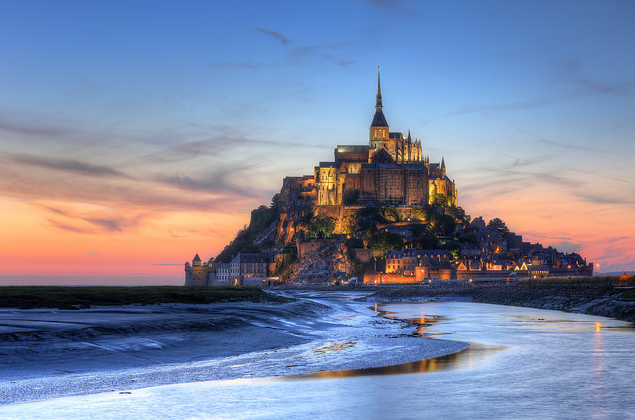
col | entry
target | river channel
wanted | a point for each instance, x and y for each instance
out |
(522, 363)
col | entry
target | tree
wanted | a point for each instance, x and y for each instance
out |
(440, 200)
(350, 223)
(261, 219)
(468, 238)
(500, 227)
(354, 243)
(320, 227)
(391, 214)
(384, 240)
(274, 202)
(459, 214)
(454, 249)
(420, 213)
(442, 224)
(426, 241)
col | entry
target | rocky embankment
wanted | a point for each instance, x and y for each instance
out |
(322, 263)
(606, 301)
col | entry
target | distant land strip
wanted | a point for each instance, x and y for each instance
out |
(63, 297)
(612, 297)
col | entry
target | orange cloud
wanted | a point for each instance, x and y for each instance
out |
(147, 246)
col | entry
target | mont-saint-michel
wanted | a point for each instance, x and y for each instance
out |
(450, 239)
(379, 213)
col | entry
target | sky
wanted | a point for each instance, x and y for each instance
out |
(136, 134)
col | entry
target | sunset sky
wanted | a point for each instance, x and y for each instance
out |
(136, 134)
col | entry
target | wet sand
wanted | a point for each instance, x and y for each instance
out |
(55, 353)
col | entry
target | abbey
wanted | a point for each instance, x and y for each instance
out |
(391, 171)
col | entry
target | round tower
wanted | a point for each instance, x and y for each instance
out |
(197, 273)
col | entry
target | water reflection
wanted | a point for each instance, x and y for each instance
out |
(421, 322)
(464, 359)
(558, 366)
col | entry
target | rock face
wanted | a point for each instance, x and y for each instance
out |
(293, 210)
(322, 264)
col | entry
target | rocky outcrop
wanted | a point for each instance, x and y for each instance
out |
(322, 264)
(287, 228)
(267, 236)
(602, 301)
(593, 301)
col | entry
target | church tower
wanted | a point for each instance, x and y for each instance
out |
(379, 126)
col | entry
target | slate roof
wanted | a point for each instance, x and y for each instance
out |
(382, 156)
(379, 120)
(224, 266)
(248, 258)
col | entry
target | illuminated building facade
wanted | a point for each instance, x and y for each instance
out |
(390, 171)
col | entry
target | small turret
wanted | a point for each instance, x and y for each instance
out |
(196, 262)
(442, 166)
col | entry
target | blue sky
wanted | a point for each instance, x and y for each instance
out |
(150, 109)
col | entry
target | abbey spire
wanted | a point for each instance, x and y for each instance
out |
(378, 104)
(379, 126)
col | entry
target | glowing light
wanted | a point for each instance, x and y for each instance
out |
(597, 326)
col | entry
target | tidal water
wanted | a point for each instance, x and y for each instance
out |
(523, 363)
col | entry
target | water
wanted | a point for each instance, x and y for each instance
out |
(524, 363)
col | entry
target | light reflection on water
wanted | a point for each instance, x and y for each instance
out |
(523, 364)
(463, 359)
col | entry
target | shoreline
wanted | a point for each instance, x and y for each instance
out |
(308, 336)
(601, 301)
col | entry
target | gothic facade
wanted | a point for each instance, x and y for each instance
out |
(390, 171)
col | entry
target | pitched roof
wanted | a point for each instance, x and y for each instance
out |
(248, 258)
(382, 156)
(379, 120)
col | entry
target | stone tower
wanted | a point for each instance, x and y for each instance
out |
(197, 273)
(379, 126)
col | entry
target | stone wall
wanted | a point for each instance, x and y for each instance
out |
(382, 278)
(196, 276)
(320, 264)
(311, 246)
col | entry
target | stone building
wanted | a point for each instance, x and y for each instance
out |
(222, 274)
(197, 274)
(246, 265)
(391, 170)
(407, 261)
(217, 274)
